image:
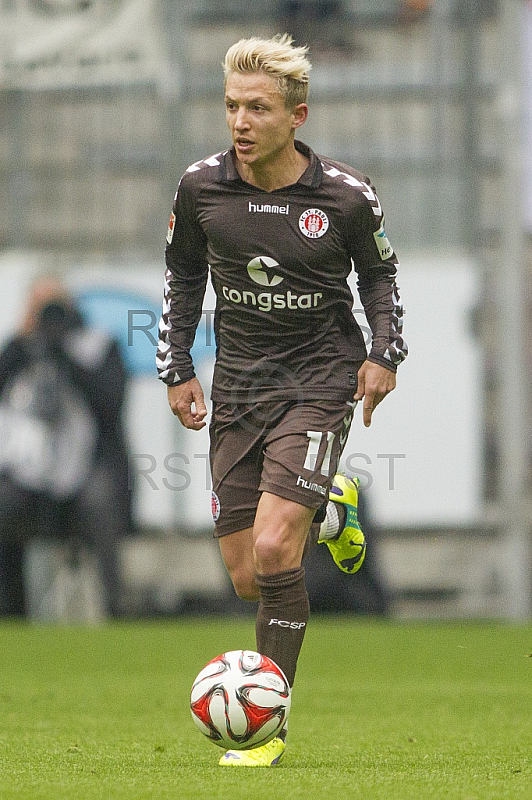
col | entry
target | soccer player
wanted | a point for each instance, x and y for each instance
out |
(279, 229)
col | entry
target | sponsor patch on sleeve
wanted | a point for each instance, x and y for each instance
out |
(383, 245)
(171, 225)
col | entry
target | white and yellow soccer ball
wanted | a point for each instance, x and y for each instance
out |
(240, 700)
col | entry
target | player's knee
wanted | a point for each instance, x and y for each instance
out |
(272, 554)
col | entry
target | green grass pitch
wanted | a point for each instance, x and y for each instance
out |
(409, 711)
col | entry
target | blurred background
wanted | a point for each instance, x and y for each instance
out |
(104, 103)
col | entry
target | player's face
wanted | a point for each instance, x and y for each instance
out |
(262, 127)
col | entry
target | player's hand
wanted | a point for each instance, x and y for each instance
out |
(188, 404)
(374, 383)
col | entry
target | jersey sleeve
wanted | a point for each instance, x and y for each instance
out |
(376, 265)
(184, 289)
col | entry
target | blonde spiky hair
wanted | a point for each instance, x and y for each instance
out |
(277, 57)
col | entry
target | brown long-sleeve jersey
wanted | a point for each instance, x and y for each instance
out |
(279, 263)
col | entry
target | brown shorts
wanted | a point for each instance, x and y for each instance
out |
(290, 449)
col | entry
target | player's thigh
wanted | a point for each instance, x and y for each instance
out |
(302, 453)
(236, 454)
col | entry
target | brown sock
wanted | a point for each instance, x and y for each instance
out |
(282, 618)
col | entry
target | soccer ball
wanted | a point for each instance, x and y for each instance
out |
(240, 700)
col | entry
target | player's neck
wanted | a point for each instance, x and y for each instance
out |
(284, 170)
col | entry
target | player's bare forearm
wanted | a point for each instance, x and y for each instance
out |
(374, 383)
(188, 404)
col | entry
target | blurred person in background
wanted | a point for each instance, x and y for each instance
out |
(63, 457)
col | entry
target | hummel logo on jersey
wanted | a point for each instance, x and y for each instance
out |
(266, 208)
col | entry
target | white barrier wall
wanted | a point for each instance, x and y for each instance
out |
(420, 461)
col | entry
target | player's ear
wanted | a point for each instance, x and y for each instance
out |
(300, 114)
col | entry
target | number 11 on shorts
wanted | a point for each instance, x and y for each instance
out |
(311, 461)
